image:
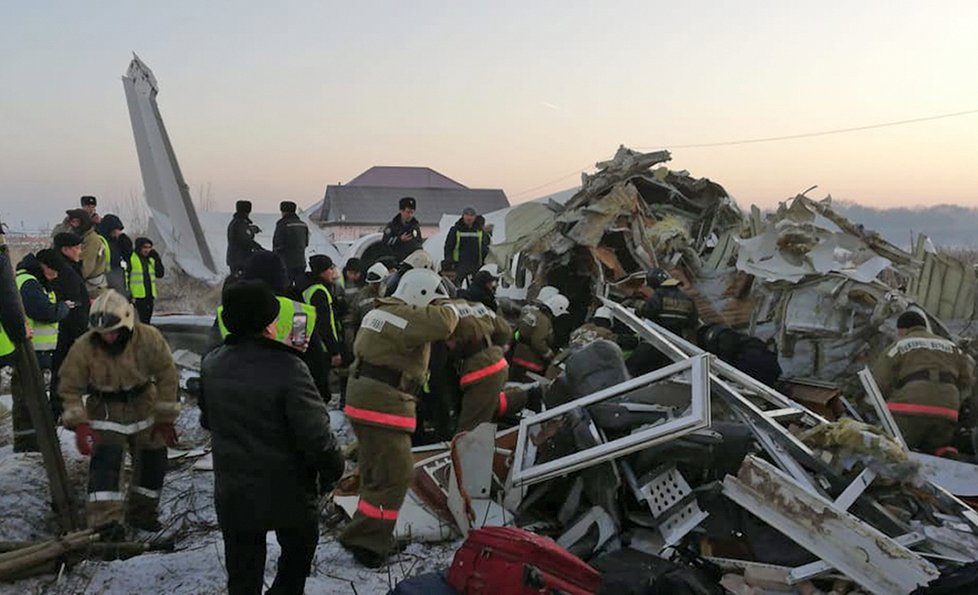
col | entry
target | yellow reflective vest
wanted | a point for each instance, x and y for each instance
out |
(287, 310)
(6, 345)
(307, 298)
(45, 333)
(137, 281)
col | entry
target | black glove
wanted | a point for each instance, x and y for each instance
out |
(331, 471)
(154, 255)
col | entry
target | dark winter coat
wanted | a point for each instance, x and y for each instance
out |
(466, 246)
(672, 308)
(157, 266)
(479, 292)
(392, 237)
(70, 286)
(120, 247)
(10, 315)
(290, 241)
(270, 435)
(333, 344)
(34, 294)
(241, 241)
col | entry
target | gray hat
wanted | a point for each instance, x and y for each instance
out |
(469, 211)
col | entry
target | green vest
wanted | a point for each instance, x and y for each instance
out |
(45, 333)
(108, 252)
(283, 322)
(137, 283)
(458, 242)
(307, 297)
(6, 345)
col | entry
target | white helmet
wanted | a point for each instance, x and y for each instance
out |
(419, 287)
(546, 292)
(419, 259)
(376, 273)
(111, 311)
(557, 304)
(492, 269)
(604, 312)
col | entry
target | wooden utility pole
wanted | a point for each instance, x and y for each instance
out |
(35, 396)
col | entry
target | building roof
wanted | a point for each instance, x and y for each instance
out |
(376, 205)
(404, 177)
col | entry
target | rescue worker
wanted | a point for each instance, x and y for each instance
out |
(68, 287)
(290, 241)
(271, 436)
(94, 255)
(535, 339)
(748, 354)
(419, 259)
(119, 387)
(402, 236)
(483, 289)
(598, 328)
(391, 350)
(922, 376)
(35, 274)
(366, 298)
(669, 306)
(118, 248)
(318, 293)
(145, 267)
(467, 245)
(241, 238)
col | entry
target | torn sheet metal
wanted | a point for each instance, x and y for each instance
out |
(697, 416)
(867, 556)
(945, 286)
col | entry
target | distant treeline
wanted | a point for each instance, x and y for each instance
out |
(949, 226)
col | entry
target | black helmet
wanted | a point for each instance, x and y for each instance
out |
(656, 277)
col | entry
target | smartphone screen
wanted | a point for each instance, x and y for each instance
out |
(298, 334)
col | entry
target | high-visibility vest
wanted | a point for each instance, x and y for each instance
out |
(6, 345)
(287, 309)
(137, 283)
(307, 297)
(108, 252)
(45, 333)
(466, 234)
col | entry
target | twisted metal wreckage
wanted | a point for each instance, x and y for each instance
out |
(698, 457)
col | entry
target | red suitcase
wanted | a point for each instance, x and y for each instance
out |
(511, 561)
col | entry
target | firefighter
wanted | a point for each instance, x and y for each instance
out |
(391, 350)
(598, 328)
(365, 300)
(466, 245)
(402, 236)
(35, 273)
(127, 372)
(94, 255)
(669, 306)
(535, 339)
(922, 376)
(145, 267)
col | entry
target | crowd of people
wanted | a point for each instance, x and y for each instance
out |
(414, 358)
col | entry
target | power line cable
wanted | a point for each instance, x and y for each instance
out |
(768, 139)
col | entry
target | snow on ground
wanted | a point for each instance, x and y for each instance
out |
(187, 513)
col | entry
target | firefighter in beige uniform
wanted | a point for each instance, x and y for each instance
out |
(126, 371)
(922, 376)
(535, 336)
(391, 350)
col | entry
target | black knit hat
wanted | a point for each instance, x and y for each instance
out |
(242, 206)
(407, 203)
(287, 206)
(88, 201)
(268, 267)
(319, 263)
(49, 258)
(249, 307)
(66, 239)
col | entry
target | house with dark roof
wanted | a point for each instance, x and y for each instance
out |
(369, 201)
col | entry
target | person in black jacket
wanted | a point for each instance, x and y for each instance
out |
(319, 291)
(68, 287)
(120, 247)
(241, 237)
(467, 244)
(290, 241)
(669, 305)
(271, 437)
(402, 236)
(482, 290)
(145, 267)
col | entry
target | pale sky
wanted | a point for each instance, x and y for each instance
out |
(275, 100)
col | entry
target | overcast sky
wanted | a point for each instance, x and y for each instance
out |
(275, 100)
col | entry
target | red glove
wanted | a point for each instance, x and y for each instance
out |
(167, 432)
(85, 438)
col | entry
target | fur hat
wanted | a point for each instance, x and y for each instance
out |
(407, 202)
(249, 307)
(88, 201)
(66, 239)
(242, 206)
